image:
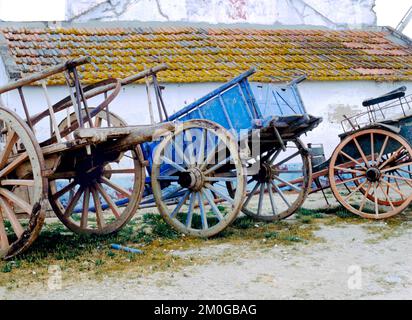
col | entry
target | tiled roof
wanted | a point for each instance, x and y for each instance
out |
(200, 55)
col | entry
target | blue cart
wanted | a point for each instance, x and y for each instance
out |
(237, 148)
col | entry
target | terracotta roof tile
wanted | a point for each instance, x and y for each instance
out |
(214, 54)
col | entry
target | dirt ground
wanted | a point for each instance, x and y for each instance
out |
(350, 261)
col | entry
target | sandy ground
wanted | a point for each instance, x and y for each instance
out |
(351, 263)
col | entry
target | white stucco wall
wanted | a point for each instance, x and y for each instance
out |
(330, 13)
(326, 99)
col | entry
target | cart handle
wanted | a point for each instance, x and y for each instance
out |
(69, 64)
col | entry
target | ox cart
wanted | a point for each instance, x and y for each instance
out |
(79, 154)
(198, 185)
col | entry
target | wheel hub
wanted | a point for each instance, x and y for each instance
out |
(192, 179)
(89, 177)
(373, 174)
(265, 173)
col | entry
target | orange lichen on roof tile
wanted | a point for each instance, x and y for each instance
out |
(213, 54)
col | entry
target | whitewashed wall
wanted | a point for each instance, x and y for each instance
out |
(329, 13)
(326, 99)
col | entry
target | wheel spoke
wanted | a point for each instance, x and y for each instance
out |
(10, 142)
(353, 160)
(72, 203)
(217, 166)
(349, 180)
(26, 207)
(4, 240)
(179, 152)
(202, 211)
(281, 194)
(387, 197)
(14, 164)
(115, 210)
(98, 208)
(211, 155)
(180, 204)
(376, 199)
(348, 197)
(85, 210)
(272, 199)
(261, 194)
(201, 154)
(365, 196)
(190, 210)
(385, 142)
(250, 195)
(287, 159)
(372, 148)
(287, 183)
(392, 157)
(274, 156)
(396, 167)
(215, 209)
(14, 221)
(173, 164)
(220, 194)
(349, 170)
(407, 180)
(64, 190)
(191, 147)
(362, 154)
(115, 187)
(393, 188)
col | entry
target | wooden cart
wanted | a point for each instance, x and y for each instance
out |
(72, 163)
(370, 171)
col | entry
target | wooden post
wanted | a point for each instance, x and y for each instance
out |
(149, 100)
(51, 111)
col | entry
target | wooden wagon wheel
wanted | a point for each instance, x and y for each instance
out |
(71, 196)
(23, 189)
(191, 166)
(375, 164)
(280, 184)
